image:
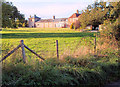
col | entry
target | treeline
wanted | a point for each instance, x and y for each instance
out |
(101, 13)
(11, 17)
(105, 14)
(94, 15)
(98, 13)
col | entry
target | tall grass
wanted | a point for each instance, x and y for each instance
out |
(70, 71)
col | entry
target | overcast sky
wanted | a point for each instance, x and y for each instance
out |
(48, 8)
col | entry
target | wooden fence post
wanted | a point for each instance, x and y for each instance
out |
(23, 50)
(57, 49)
(95, 46)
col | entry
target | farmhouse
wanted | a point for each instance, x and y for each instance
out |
(53, 23)
(73, 18)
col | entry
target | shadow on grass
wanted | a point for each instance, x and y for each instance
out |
(45, 35)
(18, 30)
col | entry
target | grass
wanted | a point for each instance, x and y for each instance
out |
(43, 41)
(77, 64)
(53, 72)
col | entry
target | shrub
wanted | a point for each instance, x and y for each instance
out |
(77, 24)
(72, 26)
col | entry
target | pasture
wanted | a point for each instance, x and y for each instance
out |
(43, 41)
(77, 64)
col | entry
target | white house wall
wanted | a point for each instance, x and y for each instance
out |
(51, 24)
(31, 23)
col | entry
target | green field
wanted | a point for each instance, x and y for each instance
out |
(77, 64)
(43, 41)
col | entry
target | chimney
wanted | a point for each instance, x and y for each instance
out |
(34, 16)
(77, 11)
(53, 17)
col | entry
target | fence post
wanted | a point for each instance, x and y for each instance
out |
(95, 46)
(23, 50)
(57, 49)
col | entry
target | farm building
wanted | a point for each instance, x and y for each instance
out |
(53, 23)
(33, 20)
(73, 18)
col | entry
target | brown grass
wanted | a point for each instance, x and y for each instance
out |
(103, 47)
(81, 52)
(104, 44)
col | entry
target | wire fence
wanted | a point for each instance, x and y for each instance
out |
(61, 48)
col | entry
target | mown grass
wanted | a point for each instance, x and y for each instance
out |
(77, 64)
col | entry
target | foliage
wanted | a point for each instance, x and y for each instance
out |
(112, 25)
(77, 24)
(115, 19)
(99, 12)
(94, 15)
(11, 17)
(62, 73)
(72, 26)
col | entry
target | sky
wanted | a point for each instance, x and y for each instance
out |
(47, 8)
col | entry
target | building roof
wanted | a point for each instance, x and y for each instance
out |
(34, 16)
(60, 19)
(75, 15)
(80, 15)
(53, 20)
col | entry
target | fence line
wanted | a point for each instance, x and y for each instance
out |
(22, 45)
(10, 53)
(33, 52)
(23, 52)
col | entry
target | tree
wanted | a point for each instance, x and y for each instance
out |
(0, 14)
(10, 14)
(115, 14)
(94, 14)
(6, 14)
(26, 23)
(112, 24)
